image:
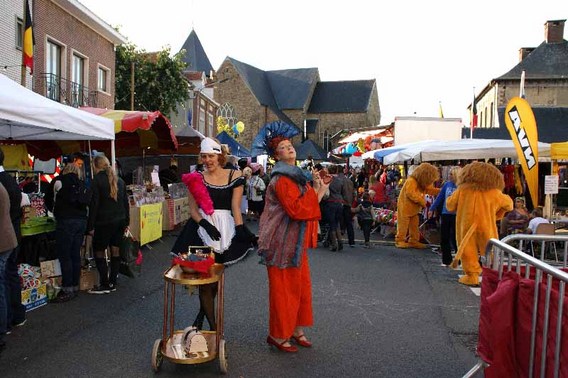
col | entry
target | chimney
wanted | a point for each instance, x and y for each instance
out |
(554, 31)
(524, 52)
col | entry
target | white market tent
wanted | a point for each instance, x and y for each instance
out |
(460, 149)
(26, 115)
(382, 152)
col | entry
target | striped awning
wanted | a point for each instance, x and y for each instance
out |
(139, 129)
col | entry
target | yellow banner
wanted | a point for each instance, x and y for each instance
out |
(521, 124)
(16, 157)
(150, 222)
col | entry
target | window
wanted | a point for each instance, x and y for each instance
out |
(78, 69)
(228, 113)
(102, 79)
(19, 33)
(78, 97)
(211, 121)
(53, 71)
(202, 115)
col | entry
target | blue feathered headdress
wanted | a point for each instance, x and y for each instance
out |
(261, 143)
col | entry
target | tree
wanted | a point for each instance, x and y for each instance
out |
(158, 80)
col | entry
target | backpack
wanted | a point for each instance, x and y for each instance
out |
(80, 194)
(76, 192)
(365, 214)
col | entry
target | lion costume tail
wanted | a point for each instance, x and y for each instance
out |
(463, 243)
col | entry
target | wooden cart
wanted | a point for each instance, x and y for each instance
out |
(170, 346)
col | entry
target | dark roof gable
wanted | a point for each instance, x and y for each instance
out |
(342, 96)
(292, 88)
(259, 84)
(195, 56)
(547, 61)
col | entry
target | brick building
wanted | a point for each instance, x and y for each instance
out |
(74, 54)
(546, 89)
(11, 30)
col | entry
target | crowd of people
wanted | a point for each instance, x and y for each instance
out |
(295, 206)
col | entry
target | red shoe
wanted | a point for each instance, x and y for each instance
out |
(281, 346)
(305, 343)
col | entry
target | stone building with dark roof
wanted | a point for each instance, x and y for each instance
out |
(545, 88)
(241, 92)
(296, 96)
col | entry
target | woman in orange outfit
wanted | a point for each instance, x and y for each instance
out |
(288, 227)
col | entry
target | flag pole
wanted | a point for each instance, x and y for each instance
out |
(473, 116)
(23, 68)
(522, 86)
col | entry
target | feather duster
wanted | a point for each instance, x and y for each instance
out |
(260, 145)
(196, 186)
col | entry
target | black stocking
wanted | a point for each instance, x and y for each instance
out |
(207, 294)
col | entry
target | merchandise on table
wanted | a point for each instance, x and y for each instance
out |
(37, 225)
(142, 195)
(177, 190)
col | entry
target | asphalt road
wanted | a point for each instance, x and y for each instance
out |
(379, 312)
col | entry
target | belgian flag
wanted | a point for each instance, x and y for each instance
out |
(28, 41)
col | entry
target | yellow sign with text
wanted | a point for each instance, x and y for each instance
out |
(150, 222)
(521, 124)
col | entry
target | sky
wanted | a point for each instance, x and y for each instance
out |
(423, 54)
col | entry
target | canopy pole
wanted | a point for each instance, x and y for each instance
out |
(112, 155)
(91, 163)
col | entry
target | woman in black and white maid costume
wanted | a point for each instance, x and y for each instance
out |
(223, 230)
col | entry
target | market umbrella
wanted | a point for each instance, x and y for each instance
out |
(138, 131)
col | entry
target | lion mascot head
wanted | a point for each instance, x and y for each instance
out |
(481, 176)
(425, 175)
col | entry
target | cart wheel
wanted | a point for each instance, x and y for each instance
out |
(157, 357)
(222, 357)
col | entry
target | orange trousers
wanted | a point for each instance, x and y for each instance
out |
(290, 299)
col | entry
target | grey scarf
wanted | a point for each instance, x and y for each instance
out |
(291, 171)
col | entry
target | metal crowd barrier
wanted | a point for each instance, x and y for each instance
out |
(502, 257)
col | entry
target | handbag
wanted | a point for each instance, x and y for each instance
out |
(130, 256)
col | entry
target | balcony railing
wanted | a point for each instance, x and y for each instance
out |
(66, 91)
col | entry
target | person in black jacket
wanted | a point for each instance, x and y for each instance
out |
(109, 217)
(70, 212)
(16, 311)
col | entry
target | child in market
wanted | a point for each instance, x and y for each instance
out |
(365, 217)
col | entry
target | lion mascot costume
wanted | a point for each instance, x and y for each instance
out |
(410, 201)
(478, 202)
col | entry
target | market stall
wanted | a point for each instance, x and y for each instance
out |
(152, 209)
(45, 128)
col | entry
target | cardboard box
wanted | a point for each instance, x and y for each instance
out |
(89, 279)
(168, 221)
(135, 222)
(181, 210)
(34, 297)
(50, 268)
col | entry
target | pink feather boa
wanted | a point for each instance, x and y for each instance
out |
(197, 188)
